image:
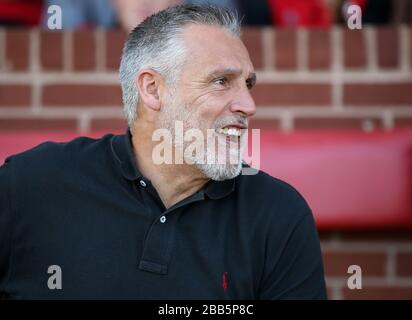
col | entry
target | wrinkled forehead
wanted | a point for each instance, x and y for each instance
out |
(211, 46)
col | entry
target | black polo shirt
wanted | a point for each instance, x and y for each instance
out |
(85, 207)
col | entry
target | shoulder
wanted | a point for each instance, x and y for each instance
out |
(273, 197)
(269, 187)
(50, 150)
(58, 157)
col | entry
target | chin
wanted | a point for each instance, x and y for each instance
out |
(220, 172)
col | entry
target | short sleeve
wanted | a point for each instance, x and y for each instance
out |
(296, 272)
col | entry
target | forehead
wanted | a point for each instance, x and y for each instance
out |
(212, 46)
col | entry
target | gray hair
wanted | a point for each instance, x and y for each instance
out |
(156, 44)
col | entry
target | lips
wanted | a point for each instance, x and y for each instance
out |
(232, 129)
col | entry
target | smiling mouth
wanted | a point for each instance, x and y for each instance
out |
(230, 131)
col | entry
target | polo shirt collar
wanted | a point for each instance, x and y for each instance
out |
(122, 150)
(219, 189)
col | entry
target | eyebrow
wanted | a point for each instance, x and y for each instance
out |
(231, 71)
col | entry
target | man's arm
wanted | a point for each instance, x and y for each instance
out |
(5, 223)
(297, 271)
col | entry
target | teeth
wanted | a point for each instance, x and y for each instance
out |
(231, 131)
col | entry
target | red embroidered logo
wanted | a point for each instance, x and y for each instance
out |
(224, 281)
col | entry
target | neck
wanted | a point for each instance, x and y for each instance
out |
(173, 182)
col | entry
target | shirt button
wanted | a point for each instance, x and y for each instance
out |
(143, 184)
(162, 219)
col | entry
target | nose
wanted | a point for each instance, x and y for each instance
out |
(243, 103)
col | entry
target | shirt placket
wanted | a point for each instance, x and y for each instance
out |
(159, 240)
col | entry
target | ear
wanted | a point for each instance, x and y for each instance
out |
(148, 82)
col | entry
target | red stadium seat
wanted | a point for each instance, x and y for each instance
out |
(351, 179)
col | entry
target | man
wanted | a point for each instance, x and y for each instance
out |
(106, 219)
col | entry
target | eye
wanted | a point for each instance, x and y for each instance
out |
(221, 81)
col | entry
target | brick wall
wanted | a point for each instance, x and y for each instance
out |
(307, 79)
(385, 259)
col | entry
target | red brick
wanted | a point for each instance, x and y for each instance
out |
(252, 38)
(329, 292)
(109, 124)
(17, 49)
(264, 123)
(319, 49)
(51, 50)
(114, 45)
(410, 41)
(81, 95)
(336, 263)
(292, 94)
(388, 47)
(403, 122)
(378, 293)
(285, 49)
(336, 123)
(84, 47)
(15, 95)
(404, 264)
(37, 124)
(354, 49)
(378, 94)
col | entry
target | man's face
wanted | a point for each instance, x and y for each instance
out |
(213, 95)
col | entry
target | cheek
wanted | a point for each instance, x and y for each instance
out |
(212, 109)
